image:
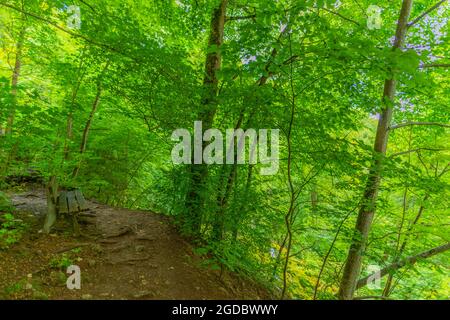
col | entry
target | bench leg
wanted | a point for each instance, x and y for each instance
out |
(76, 226)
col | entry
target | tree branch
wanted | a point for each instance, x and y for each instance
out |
(290, 59)
(408, 124)
(88, 5)
(420, 17)
(415, 150)
(401, 263)
(240, 18)
(341, 16)
(436, 65)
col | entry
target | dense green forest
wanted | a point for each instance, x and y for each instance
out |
(347, 101)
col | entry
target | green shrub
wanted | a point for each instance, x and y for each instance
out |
(61, 262)
(5, 203)
(11, 230)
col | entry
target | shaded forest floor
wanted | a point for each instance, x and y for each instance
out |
(122, 254)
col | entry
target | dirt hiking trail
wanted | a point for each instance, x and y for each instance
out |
(122, 254)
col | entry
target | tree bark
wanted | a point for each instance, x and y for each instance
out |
(243, 207)
(15, 81)
(406, 261)
(366, 213)
(69, 126)
(52, 195)
(223, 199)
(88, 124)
(289, 216)
(86, 129)
(199, 172)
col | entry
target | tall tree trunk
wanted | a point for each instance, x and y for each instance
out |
(15, 80)
(199, 172)
(366, 213)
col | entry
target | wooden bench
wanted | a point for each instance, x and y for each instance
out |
(71, 202)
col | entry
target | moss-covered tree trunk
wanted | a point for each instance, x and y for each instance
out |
(199, 172)
(15, 80)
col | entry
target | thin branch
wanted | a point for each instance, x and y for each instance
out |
(290, 59)
(399, 264)
(341, 16)
(408, 124)
(302, 250)
(420, 17)
(435, 65)
(416, 150)
(446, 169)
(88, 5)
(252, 16)
(325, 260)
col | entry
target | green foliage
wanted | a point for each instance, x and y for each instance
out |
(62, 261)
(5, 203)
(11, 228)
(323, 73)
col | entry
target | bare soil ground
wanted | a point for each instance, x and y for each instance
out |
(122, 254)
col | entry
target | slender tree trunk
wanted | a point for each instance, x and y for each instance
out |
(88, 124)
(223, 198)
(243, 207)
(15, 80)
(52, 195)
(398, 251)
(289, 217)
(199, 172)
(325, 260)
(69, 135)
(69, 126)
(219, 221)
(388, 287)
(86, 129)
(366, 213)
